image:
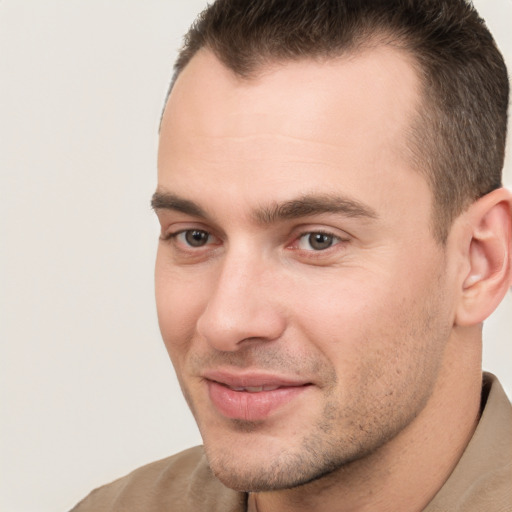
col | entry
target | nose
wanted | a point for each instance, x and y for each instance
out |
(242, 306)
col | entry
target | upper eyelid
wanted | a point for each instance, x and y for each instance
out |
(319, 232)
(325, 230)
(180, 227)
(169, 218)
(329, 232)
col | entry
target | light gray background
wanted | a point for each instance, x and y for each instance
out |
(87, 391)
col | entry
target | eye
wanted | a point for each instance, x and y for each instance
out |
(317, 241)
(189, 246)
(193, 237)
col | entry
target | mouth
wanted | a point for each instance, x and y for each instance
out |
(251, 389)
(252, 397)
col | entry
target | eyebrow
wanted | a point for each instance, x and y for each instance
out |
(168, 201)
(307, 205)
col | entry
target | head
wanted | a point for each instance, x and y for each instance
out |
(317, 287)
(457, 139)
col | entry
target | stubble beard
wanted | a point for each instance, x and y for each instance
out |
(350, 429)
(325, 450)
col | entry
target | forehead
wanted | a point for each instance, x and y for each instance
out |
(381, 80)
(295, 125)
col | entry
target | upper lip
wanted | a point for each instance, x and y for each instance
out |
(252, 379)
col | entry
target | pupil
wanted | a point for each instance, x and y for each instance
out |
(196, 238)
(319, 241)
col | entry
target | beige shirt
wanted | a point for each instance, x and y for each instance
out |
(481, 481)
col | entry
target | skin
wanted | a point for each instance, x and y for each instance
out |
(368, 323)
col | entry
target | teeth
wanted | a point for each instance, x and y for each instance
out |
(253, 389)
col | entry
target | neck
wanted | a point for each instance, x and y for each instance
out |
(404, 474)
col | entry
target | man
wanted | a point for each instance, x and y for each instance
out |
(333, 234)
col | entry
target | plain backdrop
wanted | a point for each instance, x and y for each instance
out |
(87, 390)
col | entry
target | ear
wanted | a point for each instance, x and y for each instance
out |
(489, 257)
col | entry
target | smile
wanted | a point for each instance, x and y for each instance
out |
(249, 397)
(253, 389)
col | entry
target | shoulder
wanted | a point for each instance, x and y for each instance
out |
(482, 478)
(181, 482)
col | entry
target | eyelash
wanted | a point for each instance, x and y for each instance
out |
(334, 240)
(176, 234)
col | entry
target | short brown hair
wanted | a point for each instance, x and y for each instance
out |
(458, 138)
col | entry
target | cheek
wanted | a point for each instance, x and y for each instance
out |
(179, 302)
(342, 308)
(370, 323)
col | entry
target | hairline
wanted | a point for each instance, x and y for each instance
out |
(420, 127)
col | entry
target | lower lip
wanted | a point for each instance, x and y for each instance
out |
(242, 405)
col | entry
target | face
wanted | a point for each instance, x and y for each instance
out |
(300, 292)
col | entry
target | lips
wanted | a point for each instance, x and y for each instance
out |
(252, 397)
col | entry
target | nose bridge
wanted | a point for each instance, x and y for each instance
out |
(240, 306)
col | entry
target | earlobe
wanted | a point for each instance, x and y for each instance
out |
(489, 257)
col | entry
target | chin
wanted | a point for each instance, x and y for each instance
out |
(255, 472)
